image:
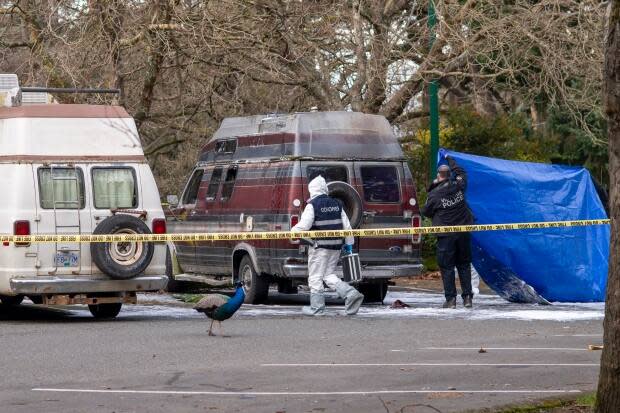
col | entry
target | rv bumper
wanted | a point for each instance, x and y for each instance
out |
(75, 285)
(369, 272)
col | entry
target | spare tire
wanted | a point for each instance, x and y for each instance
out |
(122, 260)
(351, 200)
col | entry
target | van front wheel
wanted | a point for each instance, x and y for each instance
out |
(256, 286)
(101, 311)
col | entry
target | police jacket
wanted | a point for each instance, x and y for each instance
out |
(323, 213)
(446, 204)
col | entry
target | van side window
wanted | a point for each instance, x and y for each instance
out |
(114, 187)
(63, 187)
(226, 146)
(380, 183)
(189, 198)
(214, 184)
(229, 183)
(329, 172)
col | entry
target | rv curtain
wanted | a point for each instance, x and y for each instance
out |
(63, 189)
(114, 188)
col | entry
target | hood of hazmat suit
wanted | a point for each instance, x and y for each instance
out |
(317, 187)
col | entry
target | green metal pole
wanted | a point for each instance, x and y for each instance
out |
(433, 104)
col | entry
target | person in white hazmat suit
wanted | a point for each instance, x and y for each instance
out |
(325, 213)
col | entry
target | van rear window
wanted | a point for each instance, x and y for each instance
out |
(61, 188)
(380, 183)
(329, 172)
(114, 188)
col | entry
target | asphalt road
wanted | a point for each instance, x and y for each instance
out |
(160, 359)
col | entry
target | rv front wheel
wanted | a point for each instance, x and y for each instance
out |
(101, 311)
(122, 260)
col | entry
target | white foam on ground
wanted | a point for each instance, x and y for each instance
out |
(422, 305)
(427, 305)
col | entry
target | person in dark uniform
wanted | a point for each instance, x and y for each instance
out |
(446, 206)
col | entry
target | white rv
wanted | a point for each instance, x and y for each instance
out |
(75, 169)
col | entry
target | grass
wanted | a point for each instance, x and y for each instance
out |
(584, 404)
(430, 263)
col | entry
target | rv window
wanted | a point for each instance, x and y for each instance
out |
(329, 172)
(229, 183)
(380, 184)
(214, 184)
(114, 188)
(63, 186)
(189, 198)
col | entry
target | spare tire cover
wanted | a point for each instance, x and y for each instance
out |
(122, 260)
(351, 200)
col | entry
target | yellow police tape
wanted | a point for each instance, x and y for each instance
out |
(246, 236)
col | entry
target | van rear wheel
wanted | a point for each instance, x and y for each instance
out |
(256, 286)
(102, 311)
(374, 293)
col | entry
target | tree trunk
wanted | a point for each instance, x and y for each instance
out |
(608, 396)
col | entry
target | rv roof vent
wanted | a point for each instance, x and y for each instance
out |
(8, 81)
(37, 98)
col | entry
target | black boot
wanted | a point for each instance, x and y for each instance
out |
(451, 303)
(467, 301)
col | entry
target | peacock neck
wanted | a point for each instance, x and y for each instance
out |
(238, 298)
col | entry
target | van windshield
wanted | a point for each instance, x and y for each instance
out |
(114, 188)
(329, 172)
(380, 183)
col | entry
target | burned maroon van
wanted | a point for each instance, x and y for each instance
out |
(252, 176)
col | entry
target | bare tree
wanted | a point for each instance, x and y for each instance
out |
(608, 396)
(183, 65)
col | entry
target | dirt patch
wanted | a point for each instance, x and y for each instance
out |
(431, 281)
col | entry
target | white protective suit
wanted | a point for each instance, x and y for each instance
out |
(322, 262)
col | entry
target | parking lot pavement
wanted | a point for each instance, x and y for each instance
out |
(158, 358)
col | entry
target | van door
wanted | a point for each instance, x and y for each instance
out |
(63, 208)
(380, 185)
(206, 218)
(113, 187)
(185, 221)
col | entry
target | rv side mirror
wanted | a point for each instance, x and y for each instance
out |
(172, 200)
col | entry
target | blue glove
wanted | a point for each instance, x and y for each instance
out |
(348, 249)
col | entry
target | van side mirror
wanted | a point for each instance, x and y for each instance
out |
(172, 200)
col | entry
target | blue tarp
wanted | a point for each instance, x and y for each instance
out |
(537, 265)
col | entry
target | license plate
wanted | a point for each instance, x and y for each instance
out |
(67, 259)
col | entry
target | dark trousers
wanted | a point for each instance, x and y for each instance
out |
(454, 250)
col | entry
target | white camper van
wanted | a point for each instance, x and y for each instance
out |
(75, 169)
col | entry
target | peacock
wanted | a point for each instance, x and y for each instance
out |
(220, 307)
